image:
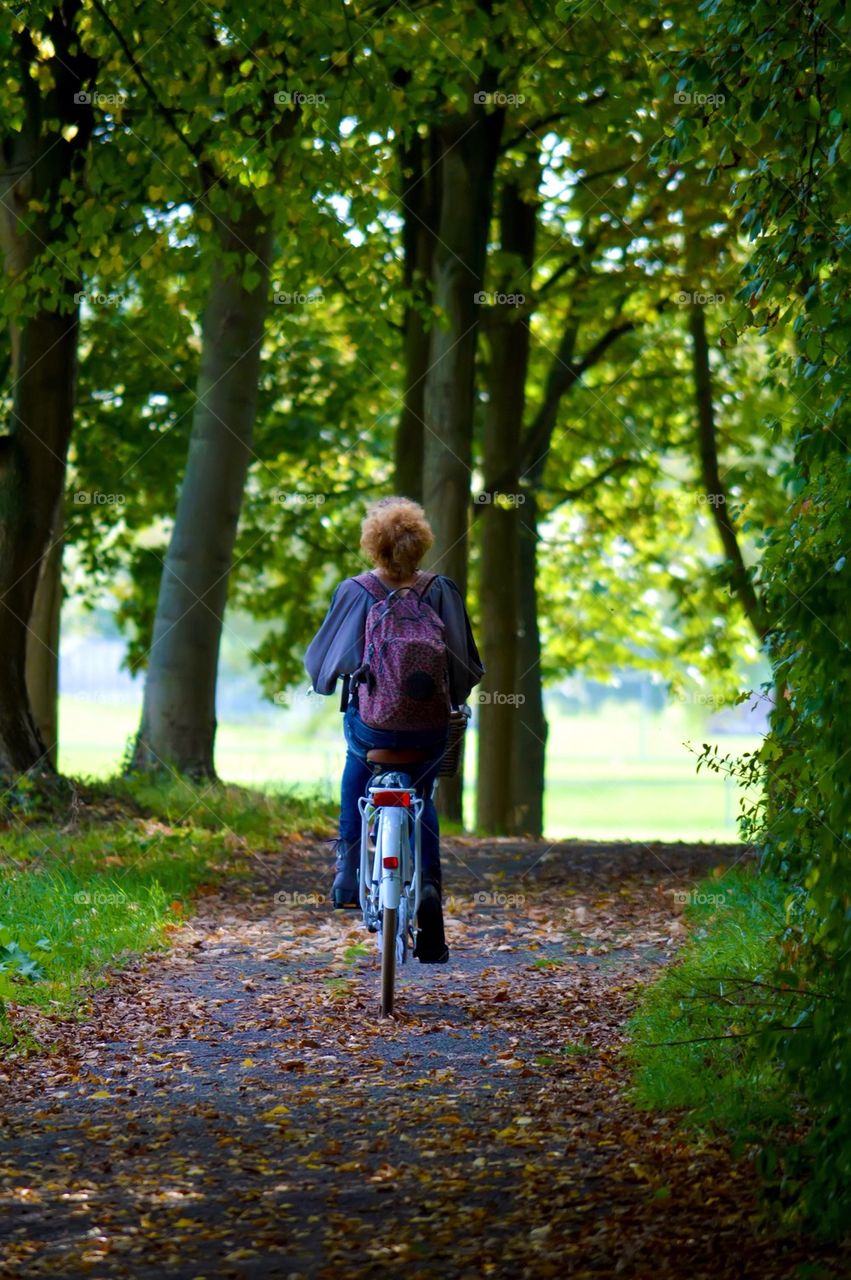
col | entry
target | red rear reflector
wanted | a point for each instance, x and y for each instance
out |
(392, 863)
(400, 798)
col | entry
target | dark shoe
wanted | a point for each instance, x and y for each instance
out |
(431, 945)
(344, 890)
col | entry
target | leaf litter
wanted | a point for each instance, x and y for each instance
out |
(236, 1107)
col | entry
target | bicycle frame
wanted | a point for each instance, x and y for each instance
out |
(396, 871)
(390, 892)
(390, 874)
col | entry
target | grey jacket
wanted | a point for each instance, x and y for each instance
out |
(337, 648)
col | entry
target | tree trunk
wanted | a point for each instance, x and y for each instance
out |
(419, 204)
(42, 661)
(530, 736)
(499, 520)
(468, 148)
(179, 710)
(37, 160)
(32, 473)
(740, 580)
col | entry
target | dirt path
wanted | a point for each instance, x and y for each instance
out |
(236, 1108)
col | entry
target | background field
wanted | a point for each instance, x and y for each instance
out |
(620, 771)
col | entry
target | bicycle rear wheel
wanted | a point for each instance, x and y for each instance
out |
(388, 960)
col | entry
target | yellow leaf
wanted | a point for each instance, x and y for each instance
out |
(248, 1062)
(101, 1093)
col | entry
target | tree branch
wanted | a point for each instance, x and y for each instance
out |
(561, 375)
(564, 372)
(553, 118)
(165, 111)
(729, 1035)
(569, 495)
(596, 352)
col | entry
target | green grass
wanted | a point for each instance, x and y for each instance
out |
(621, 773)
(578, 1049)
(80, 893)
(696, 1032)
(259, 816)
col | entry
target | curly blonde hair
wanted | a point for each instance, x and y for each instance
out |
(396, 535)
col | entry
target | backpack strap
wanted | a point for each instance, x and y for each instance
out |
(372, 585)
(376, 590)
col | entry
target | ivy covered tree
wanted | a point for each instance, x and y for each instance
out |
(778, 93)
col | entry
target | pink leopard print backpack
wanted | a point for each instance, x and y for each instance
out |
(403, 681)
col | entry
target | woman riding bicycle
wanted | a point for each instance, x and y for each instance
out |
(395, 536)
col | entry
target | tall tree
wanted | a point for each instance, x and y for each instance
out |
(47, 129)
(178, 715)
(501, 502)
(234, 174)
(741, 580)
(530, 725)
(467, 150)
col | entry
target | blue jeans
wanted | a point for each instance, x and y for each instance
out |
(357, 773)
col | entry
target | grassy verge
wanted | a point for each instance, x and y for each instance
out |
(93, 876)
(696, 1035)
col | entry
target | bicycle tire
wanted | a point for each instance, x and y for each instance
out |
(402, 936)
(388, 961)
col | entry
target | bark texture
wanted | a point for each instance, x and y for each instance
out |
(42, 661)
(529, 742)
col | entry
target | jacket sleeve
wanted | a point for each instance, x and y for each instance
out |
(337, 648)
(465, 665)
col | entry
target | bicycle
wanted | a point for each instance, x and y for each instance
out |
(390, 872)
